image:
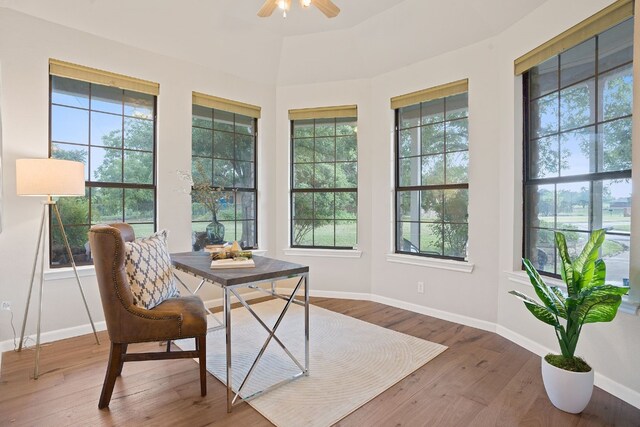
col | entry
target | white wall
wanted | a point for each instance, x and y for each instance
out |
(478, 298)
(26, 44)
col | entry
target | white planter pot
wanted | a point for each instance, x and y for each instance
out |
(568, 391)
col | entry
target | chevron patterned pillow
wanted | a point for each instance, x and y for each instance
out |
(148, 268)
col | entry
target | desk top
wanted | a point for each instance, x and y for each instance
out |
(199, 263)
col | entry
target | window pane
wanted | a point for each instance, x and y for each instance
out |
(617, 93)
(408, 206)
(138, 134)
(541, 205)
(244, 174)
(73, 210)
(76, 153)
(615, 137)
(455, 205)
(541, 250)
(458, 135)
(245, 205)
(346, 205)
(303, 150)
(199, 212)
(409, 142)
(303, 206)
(106, 130)
(346, 148)
(138, 167)
(432, 138)
(303, 232)
(223, 120)
(577, 105)
(615, 46)
(138, 105)
(544, 78)
(543, 157)
(577, 148)
(346, 233)
(303, 128)
(202, 117)
(409, 116)
(244, 147)
(347, 175)
(227, 206)
(143, 230)
(303, 176)
(346, 126)
(325, 175)
(325, 149)
(457, 165)
(431, 238)
(457, 106)
(433, 170)
(324, 205)
(139, 205)
(431, 202)
(544, 115)
(201, 142)
(244, 124)
(223, 173)
(69, 125)
(578, 63)
(408, 234)
(432, 111)
(324, 233)
(616, 205)
(455, 240)
(78, 241)
(202, 170)
(573, 206)
(223, 145)
(73, 93)
(325, 127)
(106, 164)
(106, 99)
(246, 234)
(106, 205)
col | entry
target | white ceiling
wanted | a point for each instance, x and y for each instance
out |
(369, 37)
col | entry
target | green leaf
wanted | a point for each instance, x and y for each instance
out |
(585, 263)
(560, 301)
(541, 288)
(597, 277)
(539, 311)
(566, 269)
(598, 309)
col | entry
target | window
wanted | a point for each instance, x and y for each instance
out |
(224, 155)
(577, 172)
(112, 130)
(324, 178)
(432, 157)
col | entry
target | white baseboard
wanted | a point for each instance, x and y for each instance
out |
(440, 314)
(630, 396)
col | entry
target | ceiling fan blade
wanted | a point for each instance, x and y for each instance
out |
(327, 7)
(267, 8)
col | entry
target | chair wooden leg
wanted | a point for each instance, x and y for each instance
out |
(115, 361)
(124, 351)
(201, 345)
(168, 346)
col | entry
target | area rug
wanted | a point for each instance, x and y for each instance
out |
(351, 362)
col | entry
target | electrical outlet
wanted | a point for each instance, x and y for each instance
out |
(421, 287)
(5, 306)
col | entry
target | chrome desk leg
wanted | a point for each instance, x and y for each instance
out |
(306, 324)
(227, 324)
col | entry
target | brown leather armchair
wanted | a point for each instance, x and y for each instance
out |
(175, 318)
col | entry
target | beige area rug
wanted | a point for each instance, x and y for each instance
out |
(351, 362)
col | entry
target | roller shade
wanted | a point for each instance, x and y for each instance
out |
(93, 75)
(226, 105)
(436, 92)
(324, 112)
(601, 21)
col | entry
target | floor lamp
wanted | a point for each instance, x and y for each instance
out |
(47, 178)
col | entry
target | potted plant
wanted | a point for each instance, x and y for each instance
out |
(568, 379)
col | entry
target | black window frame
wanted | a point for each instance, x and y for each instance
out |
(593, 177)
(315, 189)
(398, 188)
(233, 189)
(89, 183)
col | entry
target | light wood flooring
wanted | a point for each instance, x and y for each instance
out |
(481, 380)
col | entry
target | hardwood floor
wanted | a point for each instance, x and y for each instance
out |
(481, 380)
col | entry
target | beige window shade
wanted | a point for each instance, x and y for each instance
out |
(226, 105)
(93, 75)
(601, 21)
(436, 92)
(324, 112)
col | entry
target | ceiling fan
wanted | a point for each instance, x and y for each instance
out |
(326, 6)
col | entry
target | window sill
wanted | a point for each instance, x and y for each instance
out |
(628, 305)
(326, 253)
(67, 273)
(443, 264)
(259, 252)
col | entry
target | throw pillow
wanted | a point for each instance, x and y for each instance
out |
(148, 268)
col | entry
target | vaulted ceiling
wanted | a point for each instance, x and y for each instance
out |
(368, 38)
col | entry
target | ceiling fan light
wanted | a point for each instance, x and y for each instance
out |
(282, 4)
(305, 3)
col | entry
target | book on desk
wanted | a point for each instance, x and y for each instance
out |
(232, 263)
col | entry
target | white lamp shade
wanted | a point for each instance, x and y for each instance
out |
(49, 177)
